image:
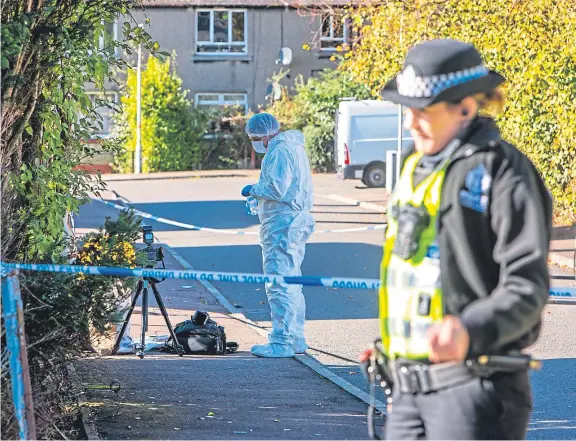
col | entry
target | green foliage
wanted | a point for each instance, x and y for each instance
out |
(171, 136)
(112, 245)
(319, 140)
(51, 50)
(227, 148)
(526, 41)
(65, 314)
(313, 110)
(48, 57)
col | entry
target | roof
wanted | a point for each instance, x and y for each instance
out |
(245, 3)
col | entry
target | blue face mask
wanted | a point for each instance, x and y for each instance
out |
(258, 146)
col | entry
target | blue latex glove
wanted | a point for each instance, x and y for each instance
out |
(246, 190)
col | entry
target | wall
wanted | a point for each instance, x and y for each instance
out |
(268, 30)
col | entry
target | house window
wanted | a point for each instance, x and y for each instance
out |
(224, 106)
(100, 99)
(220, 31)
(334, 31)
(104, 36)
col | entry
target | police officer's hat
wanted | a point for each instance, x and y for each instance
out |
(440, 70)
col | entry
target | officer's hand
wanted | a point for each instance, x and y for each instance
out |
(448, 341)
(246, 190)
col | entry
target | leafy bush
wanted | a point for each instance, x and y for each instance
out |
(50, 51)
(313, 110)
(319, 140)
(62, 311)
(172, 131)
(524, 41)
(112, 245)
(229, 147)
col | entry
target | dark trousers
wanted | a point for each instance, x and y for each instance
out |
(495, 408)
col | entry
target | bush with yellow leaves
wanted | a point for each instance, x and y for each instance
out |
(529, 42)
(112, 245)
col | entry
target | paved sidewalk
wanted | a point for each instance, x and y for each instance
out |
(564, 238)
(235, 396)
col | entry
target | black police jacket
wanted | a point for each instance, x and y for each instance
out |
(494, 231)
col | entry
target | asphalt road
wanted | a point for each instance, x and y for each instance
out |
(341, 322)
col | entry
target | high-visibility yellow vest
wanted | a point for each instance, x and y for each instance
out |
(410, 290)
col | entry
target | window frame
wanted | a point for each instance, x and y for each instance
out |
(219, 102)
(337, 41)
(230, 42)
(101, 38)
(101, 94)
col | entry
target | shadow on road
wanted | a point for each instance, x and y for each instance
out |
(348, 222)
(357, 260)
(223, 215)
(93, 214)
(554, 391)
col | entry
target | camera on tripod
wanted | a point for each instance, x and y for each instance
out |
(153, 254)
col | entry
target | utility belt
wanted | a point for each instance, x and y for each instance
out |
(419, 378)
(413, 378)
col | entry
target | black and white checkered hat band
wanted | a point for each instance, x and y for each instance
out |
(411, 85)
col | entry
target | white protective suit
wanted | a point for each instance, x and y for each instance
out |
(284, 192)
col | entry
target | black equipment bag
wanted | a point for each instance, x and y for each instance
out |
(202, 335)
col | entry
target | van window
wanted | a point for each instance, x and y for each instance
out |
(376, 127)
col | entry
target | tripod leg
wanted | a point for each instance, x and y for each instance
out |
(127, 320)
(178, 347)
(140, 352)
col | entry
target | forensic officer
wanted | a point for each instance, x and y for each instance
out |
(464, 271)
(284, 193)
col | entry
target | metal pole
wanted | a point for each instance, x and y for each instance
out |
(399, 149)
(138, 156)
(18, 357)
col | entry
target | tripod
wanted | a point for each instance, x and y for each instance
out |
(142, 288)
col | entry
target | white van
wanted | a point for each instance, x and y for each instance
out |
(365, 131)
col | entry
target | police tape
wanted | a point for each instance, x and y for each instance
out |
(231, 232)
(209, 276)
(213, 276)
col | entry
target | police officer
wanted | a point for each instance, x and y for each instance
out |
(464, 272)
